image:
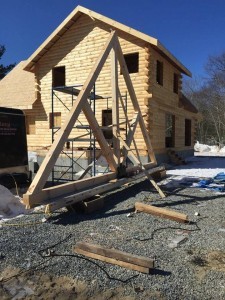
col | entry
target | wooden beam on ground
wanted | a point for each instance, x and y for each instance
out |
(161, 212)
(113, 256)
(45, 195)
(90, 191)
(50, 159)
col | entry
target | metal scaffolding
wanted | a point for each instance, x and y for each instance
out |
(70, 166)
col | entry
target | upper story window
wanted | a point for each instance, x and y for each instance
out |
(132, 61)
(175, 83)
(159, 72)
(59, 76)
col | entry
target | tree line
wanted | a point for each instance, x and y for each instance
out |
(208, 95)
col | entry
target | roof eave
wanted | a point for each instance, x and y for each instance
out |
(71, 19)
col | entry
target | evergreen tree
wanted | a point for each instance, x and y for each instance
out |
(4, 69)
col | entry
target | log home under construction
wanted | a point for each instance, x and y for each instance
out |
(59, 68)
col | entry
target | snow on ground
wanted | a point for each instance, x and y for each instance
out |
(200, 167)
(10, 205)
(197, 168)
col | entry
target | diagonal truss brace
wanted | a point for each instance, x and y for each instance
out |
(37, 194)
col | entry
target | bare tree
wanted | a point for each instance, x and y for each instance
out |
(208, 95)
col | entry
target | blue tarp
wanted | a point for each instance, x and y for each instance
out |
(212, 183)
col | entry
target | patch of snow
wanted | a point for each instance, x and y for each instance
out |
(206, 148)
(10, 205)
(197, 168)
(200, 167)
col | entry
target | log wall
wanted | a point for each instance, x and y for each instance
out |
(78, 50)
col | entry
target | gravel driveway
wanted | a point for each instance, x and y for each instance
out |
(37, 259)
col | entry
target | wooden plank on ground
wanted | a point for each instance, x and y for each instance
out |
(113, 261)
(124, 259)
(161, 212)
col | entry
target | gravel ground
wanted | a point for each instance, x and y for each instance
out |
(193, 270)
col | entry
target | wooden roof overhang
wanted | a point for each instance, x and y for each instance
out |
(72, 18)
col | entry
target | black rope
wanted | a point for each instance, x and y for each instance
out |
(176, 228)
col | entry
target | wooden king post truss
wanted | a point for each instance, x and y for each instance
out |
(73, 192)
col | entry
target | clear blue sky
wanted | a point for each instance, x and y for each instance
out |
(191, 29)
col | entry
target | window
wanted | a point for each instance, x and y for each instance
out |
(30, 124)
(54, 120)
(175, 83)
(106, 121)
(132, 61)
(170, 131)
(187, 132)
(159, 72)
(59, 76)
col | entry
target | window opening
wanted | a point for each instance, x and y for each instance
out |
(59, 76)
(30, 124)
(175, 83)
(170, 131)
(106, 121)
(187, 132)
(159, 72)
(54, 120)
(132, 62)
